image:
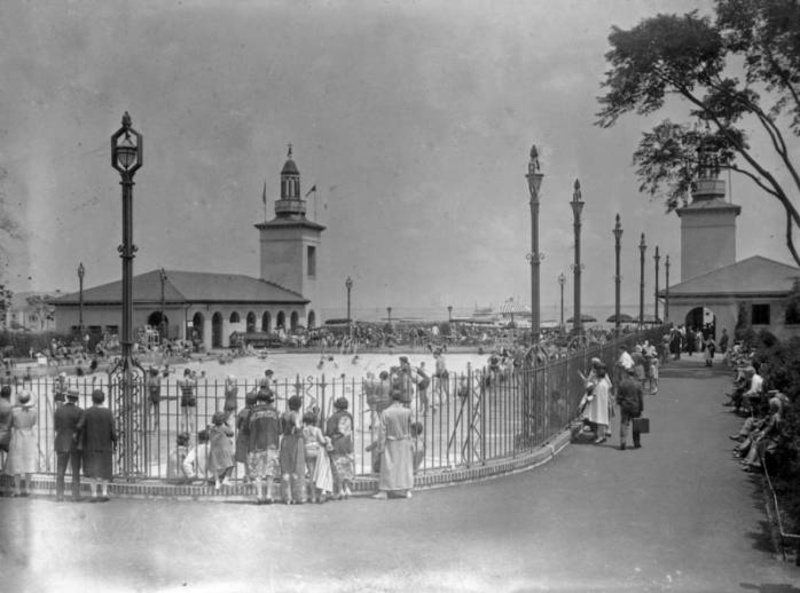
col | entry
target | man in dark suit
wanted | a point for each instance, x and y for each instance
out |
(67, 419)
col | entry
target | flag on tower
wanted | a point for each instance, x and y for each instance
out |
(312, 190)
(264, 193)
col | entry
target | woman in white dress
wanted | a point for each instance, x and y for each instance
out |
(597, 412)
(23, 450)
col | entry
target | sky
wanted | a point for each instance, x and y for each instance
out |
(414, 120)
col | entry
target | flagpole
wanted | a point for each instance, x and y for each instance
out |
(264, 199)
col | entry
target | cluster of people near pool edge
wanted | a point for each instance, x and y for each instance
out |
(636, 370)
(312, 456)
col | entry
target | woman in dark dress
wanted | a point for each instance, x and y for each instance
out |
(99, 436)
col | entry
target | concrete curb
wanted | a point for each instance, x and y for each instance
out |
(45, 486)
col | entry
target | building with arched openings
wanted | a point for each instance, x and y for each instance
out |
(209, 307)
(716, 290)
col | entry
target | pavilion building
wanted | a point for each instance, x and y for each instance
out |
(209, 307)
(715, 289)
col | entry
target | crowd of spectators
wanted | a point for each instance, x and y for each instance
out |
(761, 408)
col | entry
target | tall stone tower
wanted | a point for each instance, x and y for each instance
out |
(290, 243)
(708, 224)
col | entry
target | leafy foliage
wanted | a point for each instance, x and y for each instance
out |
(700, 62)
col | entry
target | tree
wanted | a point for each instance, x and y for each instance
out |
(739, 75)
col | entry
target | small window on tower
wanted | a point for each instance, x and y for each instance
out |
(312, 260)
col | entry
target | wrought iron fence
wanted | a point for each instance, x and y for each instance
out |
(467, 419)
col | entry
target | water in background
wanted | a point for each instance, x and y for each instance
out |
(549, 315)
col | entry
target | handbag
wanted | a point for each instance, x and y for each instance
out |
(641, 425)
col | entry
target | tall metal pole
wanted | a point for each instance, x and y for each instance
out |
(666, 295)
(126, 159)
(389, 314)
(534, 178)
(349, 286)
(562, 280)
(656, 257)
(617, 276)
(163, 325)
(81, 272)
(642, 249)
(577, 208)
(449, 313)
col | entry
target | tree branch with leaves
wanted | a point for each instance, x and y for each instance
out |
(740, 77)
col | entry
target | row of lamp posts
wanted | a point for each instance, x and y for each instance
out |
(534, 177)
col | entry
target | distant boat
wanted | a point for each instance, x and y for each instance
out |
(483, 311)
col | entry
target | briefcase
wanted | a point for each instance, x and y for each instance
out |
(641, 425)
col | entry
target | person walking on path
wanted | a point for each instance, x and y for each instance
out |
(22, 450)
(631, 405)
(5, 424)
(397, 455)
(68, 447)
(723, 342)
(99, 438)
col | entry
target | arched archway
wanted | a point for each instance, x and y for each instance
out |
(312, 320)
(196, 332)
(294, 320)
(216, 330)
(280, 320)
(703, 319)
(251, 322)
(266, 322)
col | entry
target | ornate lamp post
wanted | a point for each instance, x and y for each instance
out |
(162, 274)
(666, 296)
(642, 249)
(449, 313)
(534, 177)
(617, 276)
(657, 258)
(81, 274)
(577, 208)
(348, 284)
(126, 159)
(562, 280)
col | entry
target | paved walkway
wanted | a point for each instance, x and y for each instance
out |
(676, 515)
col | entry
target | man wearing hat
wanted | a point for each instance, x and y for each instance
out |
(67, 419)
(631, 405)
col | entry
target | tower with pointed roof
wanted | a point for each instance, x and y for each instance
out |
(708, 224)
(290, 243)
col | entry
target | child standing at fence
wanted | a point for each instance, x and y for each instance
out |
(176, 473)
(339, 429)
(243, 433)
(196, 463)
(320, 480)
(292, 455)
(220, 455)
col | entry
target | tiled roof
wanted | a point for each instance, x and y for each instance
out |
(754, 275)
(189, 287)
